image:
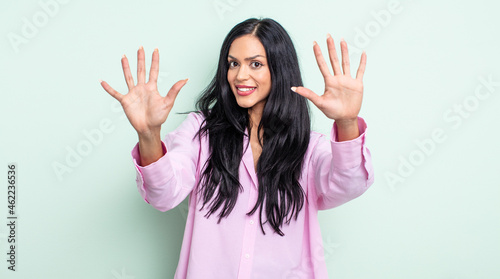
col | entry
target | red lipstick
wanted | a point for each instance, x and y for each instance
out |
(245, 92)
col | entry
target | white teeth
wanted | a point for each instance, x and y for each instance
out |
(246, 89)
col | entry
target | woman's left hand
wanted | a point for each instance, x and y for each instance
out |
(343, 94)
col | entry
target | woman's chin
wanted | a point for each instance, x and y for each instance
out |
(250, 103)
(245, 105)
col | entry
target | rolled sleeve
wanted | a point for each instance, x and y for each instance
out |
(345, 171)
(166, 182)
(152, 174)
(353, 152)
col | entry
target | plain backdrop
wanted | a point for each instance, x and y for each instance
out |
(432, 96)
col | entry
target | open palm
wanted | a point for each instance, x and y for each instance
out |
(343, 94)
(145, 108)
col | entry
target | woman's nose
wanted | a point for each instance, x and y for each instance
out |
(242, 73)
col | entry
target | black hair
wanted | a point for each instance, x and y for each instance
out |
(285, 124)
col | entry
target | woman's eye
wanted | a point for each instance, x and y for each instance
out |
(256, 64)
(233, 64)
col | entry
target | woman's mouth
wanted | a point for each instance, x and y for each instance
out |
(244, 91)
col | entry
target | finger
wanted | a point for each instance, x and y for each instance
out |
(323, 67)
(111, 91)
(308, 94)
(172, 93)
(141, 66)
(345, 58)
(155, 66)
(129, 79)
(362, 66)
(334, 59)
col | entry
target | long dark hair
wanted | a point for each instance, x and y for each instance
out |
(285, 123)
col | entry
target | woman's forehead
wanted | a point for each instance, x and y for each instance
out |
(246, 47)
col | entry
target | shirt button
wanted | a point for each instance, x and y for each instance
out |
(251, 222)
(247, 256)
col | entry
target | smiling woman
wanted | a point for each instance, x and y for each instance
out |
(250, 81)
(248, 155)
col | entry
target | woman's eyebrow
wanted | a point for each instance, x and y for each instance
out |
(248, 58)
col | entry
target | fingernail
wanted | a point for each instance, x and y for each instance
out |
(156, 49)
(100, 81)
(294, 88)
(314, 43)
(141, 47)
(328, 35)
(123, 56)
(186, 80)
(342, 40)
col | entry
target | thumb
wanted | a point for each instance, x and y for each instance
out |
(174, 90)
(307, 93)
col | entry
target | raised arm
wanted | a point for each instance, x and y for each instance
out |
(341, 167)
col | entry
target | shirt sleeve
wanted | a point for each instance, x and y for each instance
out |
(167, 182)
(342, 171)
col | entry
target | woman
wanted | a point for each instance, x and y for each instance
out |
(255, 174)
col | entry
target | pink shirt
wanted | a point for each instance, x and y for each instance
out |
(333, 173)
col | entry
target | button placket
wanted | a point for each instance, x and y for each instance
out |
(249, 235)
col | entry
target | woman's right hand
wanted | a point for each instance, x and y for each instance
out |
(145, 108)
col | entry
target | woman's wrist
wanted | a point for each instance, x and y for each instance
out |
(149, 136)
(347, 129)
(150, 148)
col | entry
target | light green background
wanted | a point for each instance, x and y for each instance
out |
(442, 221)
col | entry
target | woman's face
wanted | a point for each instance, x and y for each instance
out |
(248, 73)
